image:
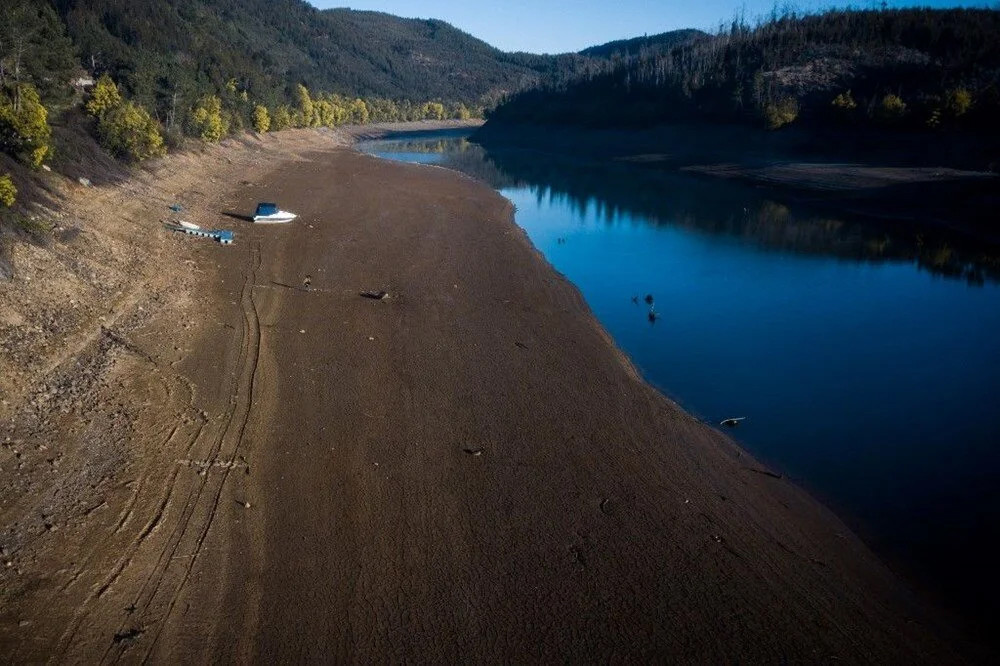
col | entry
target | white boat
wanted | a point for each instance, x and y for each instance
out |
(268, 213)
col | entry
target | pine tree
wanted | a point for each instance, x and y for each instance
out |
(24, 126)
(282, 118)
(8, 193)
(304, 113)
(129, 131)
(261, 119)
(104, 97)
(208, 121)
(34, 49)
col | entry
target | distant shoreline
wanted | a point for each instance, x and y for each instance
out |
(898, 181)
(383, 130)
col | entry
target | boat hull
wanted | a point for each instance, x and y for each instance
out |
(274, 219)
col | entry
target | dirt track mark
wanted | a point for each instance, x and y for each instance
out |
(128, 556)
(227, 448)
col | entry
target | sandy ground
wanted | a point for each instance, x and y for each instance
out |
(247, 460)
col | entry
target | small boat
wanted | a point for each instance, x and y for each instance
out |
(224, 236)
(268, 213)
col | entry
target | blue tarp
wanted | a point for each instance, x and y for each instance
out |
(266, 209)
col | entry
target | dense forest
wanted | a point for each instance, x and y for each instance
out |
(213, 68)
(912, 68)
(161, 51)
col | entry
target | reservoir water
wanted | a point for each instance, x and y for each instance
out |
(865, 356)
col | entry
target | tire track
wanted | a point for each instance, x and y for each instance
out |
(145, 598)
(151, 587)
(66, 640)
(246, 390)
(227, 447)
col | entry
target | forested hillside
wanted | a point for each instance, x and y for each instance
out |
(208, 69)
(624, 48)
(916, 68)
(157, 49)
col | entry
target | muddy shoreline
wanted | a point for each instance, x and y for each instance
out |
(263, 464)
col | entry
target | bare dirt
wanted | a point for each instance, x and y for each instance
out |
(232, 455)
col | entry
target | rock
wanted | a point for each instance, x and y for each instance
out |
(84, 181)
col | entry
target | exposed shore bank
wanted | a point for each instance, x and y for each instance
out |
(252, 461)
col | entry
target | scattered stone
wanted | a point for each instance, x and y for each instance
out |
(246, 505)
(84, 181)
(474, 452)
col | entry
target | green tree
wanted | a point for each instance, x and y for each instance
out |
(8, 193)
(957, 102)
(209, 124)
(845, 102)
(891, 108)
(282, 118)
(103, 97)
(323, 112)
(340, 112)
(129, 131)
(358, 112)
(780, 113)
(34, 49)
(24, 126)
(261, 119)
(304, 111)
(433, 111)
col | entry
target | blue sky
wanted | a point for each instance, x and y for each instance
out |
(556, 26)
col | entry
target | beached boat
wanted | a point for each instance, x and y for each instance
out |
(268, 213)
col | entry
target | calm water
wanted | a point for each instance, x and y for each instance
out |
(866, 360)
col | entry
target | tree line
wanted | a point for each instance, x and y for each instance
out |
(38, 61)
(915, 68)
